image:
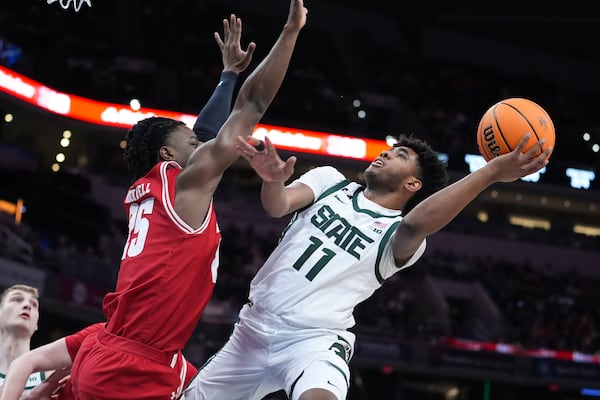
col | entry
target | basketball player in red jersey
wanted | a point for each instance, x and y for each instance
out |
(59, 355)
(169, 262)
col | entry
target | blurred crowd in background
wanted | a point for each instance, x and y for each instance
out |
(130, 49)
(164, 54)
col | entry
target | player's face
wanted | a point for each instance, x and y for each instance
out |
(19, 312)
(392, 168)
(180, 144)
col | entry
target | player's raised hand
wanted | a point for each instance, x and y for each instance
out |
(266, 162)
(234, 57)
(297, 15)
(516, 164)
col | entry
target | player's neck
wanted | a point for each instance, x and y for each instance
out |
(11, 347)
(389, 200)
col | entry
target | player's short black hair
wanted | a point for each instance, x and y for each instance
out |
(144, 140)
(432, 171)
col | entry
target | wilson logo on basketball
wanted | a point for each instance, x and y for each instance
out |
(490, 141)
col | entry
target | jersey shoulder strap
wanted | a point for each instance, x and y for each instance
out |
(351, 186)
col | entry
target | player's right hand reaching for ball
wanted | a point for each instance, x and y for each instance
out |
(267, 163)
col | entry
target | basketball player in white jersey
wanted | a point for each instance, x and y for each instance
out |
(342, 243)
(19, 315)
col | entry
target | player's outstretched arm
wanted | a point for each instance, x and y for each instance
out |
(52, 356)
(436, 211)
(206, 165)
(277, 199)
(235, 61)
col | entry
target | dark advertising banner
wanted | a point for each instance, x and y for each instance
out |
(550, 368)
(389, 351)
(481, 361)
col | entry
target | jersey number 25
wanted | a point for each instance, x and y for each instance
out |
(138, 227)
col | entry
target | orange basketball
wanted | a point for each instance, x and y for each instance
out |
(504, 124)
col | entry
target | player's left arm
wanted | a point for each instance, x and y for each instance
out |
(436, 211)
(52, 356)
(235, 61)
(203, 171)
(208, 162)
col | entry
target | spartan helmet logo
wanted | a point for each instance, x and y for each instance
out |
(342, 349)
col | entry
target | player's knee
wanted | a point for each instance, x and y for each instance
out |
(318, 394)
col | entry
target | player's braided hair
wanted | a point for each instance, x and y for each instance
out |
(144, 140)
(432, 170)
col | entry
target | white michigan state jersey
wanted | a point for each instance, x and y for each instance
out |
(34, 379)
(332, 255)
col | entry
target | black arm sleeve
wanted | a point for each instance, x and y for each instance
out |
(217, 109)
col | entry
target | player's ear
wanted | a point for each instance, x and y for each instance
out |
(413, 184)
(165, 154)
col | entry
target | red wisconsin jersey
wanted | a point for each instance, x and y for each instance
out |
(168, 269)
(74, 341)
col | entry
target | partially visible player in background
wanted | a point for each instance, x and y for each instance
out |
(170, 260)
(56, 356)
(59, 355)
(19, 316)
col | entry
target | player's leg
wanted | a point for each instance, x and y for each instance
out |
(317, 365)
(235, 372)
(321, 381)
(318, 394)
